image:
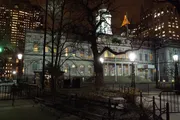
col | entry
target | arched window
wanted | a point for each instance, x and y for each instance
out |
(82, 52)
(73, 69)
(66, 68)
(90, 69)
(34, 66)
(82, 69)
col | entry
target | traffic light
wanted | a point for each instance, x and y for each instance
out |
(1, 49)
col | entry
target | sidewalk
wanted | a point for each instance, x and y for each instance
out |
(24, 110)
(149, 96)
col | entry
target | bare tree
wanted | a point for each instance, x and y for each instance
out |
(87, 25)
(59, 20)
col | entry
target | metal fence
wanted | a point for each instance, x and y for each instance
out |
(5, 92)
(144, 87)
(22, 91)
(169, 102)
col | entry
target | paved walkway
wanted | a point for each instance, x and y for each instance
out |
(149, 96)
(24, 110)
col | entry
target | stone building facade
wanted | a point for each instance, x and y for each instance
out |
(80, 62)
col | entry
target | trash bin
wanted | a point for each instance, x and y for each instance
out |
(66, 83)
(76, 82)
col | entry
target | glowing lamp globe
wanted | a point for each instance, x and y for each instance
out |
(175, 58)
(132, 57)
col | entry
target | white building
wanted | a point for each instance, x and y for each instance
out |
(80, 62)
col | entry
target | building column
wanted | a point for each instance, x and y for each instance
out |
(122, 69)
(136, 70)
(129, 73)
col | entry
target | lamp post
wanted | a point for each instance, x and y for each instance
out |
(101, 60)
(175, 58)
(19, 56)
(132, 57)
(14, 76)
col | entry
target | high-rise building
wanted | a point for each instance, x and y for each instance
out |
(161, 21)
(15, 17)
(14, 21)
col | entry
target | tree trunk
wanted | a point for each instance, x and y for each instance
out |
(99, 77)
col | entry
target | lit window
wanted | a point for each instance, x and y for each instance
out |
(159, 27)
(106, 54)
(55, 50)
(177, 35)
(163, 35)
(90, 70)
(35, 48)
(163, 32)
(162, 12)
(158, 14)
(174, 35)
(177, 26)
(169, 25)
(154, 16)
(172, 25)
(81, 69)
(73, 69)
(66, 52)
(46, 49)
(156, 29)
(74, 52)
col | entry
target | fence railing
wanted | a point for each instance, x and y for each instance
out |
(172, 98)
(9, 92)
(168, 101)
(5, 92)
(144, 87)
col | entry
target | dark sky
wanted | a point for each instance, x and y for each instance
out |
(131, 7)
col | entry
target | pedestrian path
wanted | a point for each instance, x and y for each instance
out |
(147, 98)
(25, 110)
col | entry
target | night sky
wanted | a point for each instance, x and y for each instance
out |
(131, 7)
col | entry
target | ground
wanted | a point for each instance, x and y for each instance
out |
(24, 110)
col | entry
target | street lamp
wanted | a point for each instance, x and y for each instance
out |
(101, 60)
(132, 57)
(19, 56)
(175, 58)
(14, 76)
(14, 72)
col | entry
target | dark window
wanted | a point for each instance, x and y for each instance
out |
(146, 57)
(140, 57)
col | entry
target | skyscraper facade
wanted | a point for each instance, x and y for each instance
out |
(15, 18)
(161, 21)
